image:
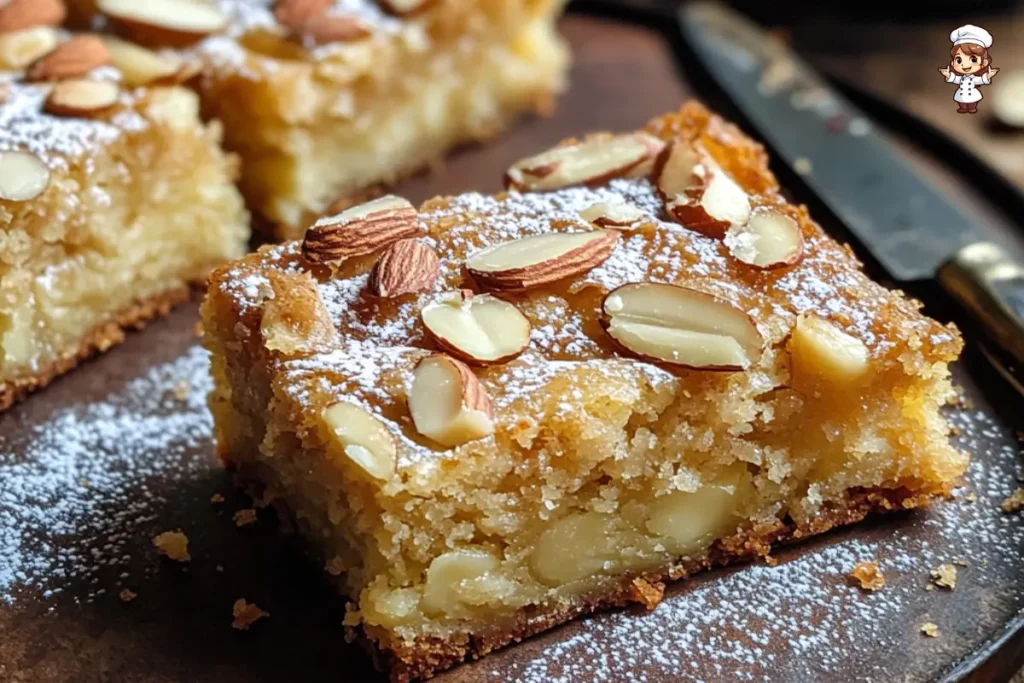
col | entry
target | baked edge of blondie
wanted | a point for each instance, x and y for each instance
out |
(98, 340)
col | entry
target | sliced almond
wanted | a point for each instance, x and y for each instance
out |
(821, 352)
(358, 436)
(447, 402)
(770, 239)
(363, 229)
(480, 330)
(590, 162)
(295, 320)
(310, 19)
(680, 326)
(612, 214)
(16, 15)
(541, 259)
(165, 22)
(139, 66)
(406, 267)
(697, 192)
(23, 176)
(18, 49)
(71, 59)
(404, 8)
(82, 98)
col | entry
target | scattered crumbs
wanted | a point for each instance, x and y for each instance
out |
(181, 390)
(216, 498)
(173, 544)
(246, 614)
(335, 566)
(944, 576)
(802, 165)
(971, 497)
(646, 593)
(930, 629)
(1014, 502)
(127, 595)
(245, 517)
(868, 576)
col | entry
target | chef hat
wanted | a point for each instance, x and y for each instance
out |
(969, 33)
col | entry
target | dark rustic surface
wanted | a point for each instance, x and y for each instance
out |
(61, 619)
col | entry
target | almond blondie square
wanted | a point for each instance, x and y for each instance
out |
(326, 100)
(492, 414)
(111, 203)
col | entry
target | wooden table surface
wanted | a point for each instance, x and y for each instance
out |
(61, 619)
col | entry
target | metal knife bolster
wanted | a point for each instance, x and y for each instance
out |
(983, 279)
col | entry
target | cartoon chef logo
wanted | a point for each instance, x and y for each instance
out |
(970, 66)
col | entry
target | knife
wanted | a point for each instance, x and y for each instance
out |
(909, 227)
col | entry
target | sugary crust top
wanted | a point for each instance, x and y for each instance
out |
(60, 140)
(382, 339)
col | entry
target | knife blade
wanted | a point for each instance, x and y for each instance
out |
(909, 227)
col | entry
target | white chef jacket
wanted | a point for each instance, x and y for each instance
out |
(968, 91)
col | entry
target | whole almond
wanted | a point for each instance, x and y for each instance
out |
(362, 229)
(72, 59)
(406, 267)
(19, 14)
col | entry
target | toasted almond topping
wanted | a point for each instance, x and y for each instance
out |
(23, 176)
(770, 239)
(139, 66)
(406, 267)
(18, 49)
(821, 352)
(680, 326)
(295, 320)
(20, 14)
(541, 259)
(164, 22)
(612, 214)
(480, 330)
(362, 229)
(590, 162)
(697, 192)
(71, 59)
(405, 8)
(447, 402)
(309, 19)
(357, 436)
(82, 98)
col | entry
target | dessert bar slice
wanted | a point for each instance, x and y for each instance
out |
(326, 100)
(111, 202)
(493, 413)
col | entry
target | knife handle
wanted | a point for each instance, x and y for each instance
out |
(989, 285)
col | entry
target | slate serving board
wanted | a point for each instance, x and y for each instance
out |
(120, 450)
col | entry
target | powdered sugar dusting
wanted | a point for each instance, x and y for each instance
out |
(84, 473)
(57, 140)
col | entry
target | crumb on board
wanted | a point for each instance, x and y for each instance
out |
(930, 629)
(955, 431)
(335, 566)
(944, 576)
(245, 517)
(961, 562)
(219, 568)
(930, 587)
(868, 576)
(647, 593)
(173, 544)
(245, 614)
(127, 595)
(1014, 502)
(181, 390)
(802, 165)
(216, 498)
(971, 497)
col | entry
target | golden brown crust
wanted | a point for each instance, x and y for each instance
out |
(98, 340)
(426, 657)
